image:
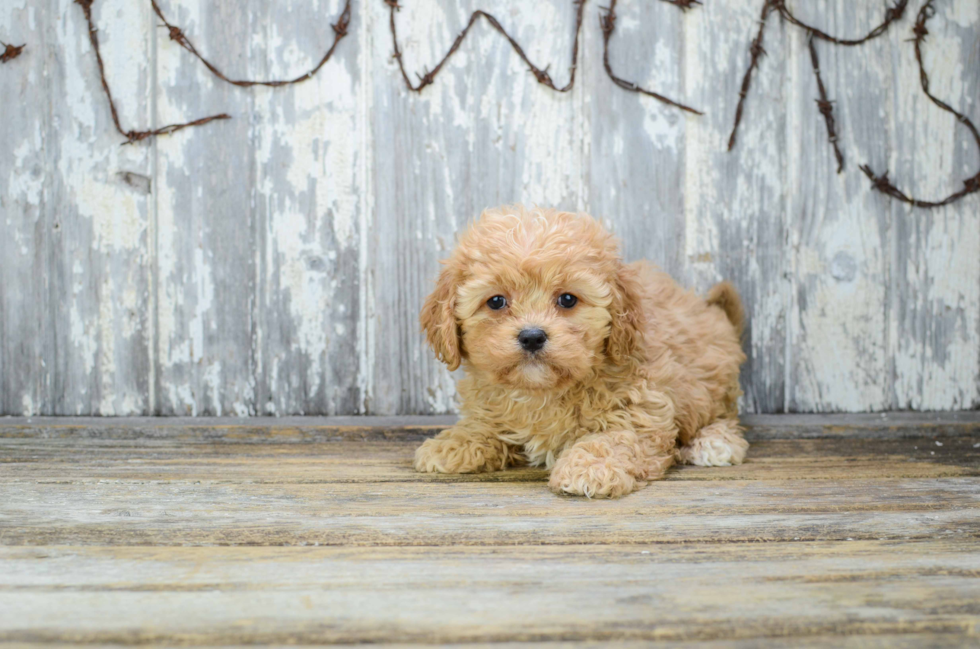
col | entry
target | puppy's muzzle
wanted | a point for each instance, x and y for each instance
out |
(532, 339)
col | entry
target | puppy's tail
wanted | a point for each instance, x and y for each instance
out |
(725, 296)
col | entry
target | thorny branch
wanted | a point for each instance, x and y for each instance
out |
(683, 4)
(825, 106)
(11, 52)
(756, 52)
(541, 74)
(891, 15)
(608, 24)
(972, 184)
(131, 136)
(177, 35)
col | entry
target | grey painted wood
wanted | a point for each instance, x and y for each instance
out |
(485, 133)
(736, 208)
(74, 250)
(274, 264)
(839, 231)
(206, 242)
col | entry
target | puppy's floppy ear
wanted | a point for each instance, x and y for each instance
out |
(626, 330)
(439, 320)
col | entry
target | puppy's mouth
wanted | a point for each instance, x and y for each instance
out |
(533, 371)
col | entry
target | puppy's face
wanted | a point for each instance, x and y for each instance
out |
(531, 299)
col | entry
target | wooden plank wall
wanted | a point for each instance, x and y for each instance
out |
(275, 263)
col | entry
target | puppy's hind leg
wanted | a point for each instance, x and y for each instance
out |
(717, 444)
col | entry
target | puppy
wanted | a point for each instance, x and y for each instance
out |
(604, 372)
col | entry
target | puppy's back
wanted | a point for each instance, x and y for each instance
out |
(697, 342)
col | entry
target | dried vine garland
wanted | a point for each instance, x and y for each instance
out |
(608, 24)
(891, 15)
(972, 184)
(177, 35)
(132, 135)
(541, 74)
(824, 105)
(756, 52)
(607, 20)
(11, 52)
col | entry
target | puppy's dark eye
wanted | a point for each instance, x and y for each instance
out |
(497, 302)
(567, 300)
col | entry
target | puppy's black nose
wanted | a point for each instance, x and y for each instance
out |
(532, 339)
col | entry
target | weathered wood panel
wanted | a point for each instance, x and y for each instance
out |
(483, 134)
(171, 532)
(76, 212)
(275, 263)
(736, 206)
(211, 596)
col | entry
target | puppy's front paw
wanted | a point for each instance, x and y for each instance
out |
(448, 453)
(580, 473)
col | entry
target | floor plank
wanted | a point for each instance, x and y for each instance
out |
(316, 595)
(169, 533)
(149, 513)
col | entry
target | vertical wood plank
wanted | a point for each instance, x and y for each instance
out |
(484, 134)
(841, 230)
(307, 149)
(275, 263)
(76, 206)
(735, 203)
(636, 162)
(935, 291)
(205, 219)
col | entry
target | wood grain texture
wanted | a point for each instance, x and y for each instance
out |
(325, 595)
(173, 533)
(274, 264)
(75, 210)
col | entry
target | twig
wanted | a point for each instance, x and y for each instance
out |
(756, 52)
(607, 23)
(178, 36)
(891, 15)
(683, 4)
(132, 135)
(825, 106)
(881, 182)
(11, 52)
(541, 74)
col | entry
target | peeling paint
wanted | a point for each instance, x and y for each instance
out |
(275, 264)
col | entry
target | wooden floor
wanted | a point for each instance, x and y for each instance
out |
(838, 531)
